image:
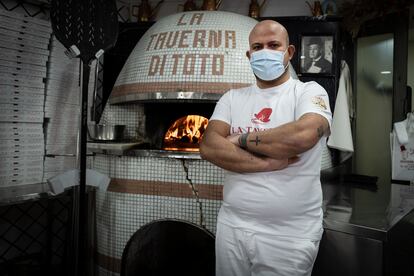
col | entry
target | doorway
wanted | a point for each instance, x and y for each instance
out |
(380, 98)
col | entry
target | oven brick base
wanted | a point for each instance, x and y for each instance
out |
(144, 189)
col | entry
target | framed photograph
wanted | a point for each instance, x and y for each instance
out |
(316, 54)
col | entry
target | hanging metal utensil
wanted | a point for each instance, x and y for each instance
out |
(87, 28)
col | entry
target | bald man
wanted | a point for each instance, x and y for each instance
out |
(268, 137)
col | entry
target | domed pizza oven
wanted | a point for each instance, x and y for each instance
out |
(179, 69)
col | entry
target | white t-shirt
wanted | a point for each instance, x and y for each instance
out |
(287, 202)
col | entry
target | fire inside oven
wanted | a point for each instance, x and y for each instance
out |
(185, 133)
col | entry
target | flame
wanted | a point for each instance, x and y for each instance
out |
(185, 133)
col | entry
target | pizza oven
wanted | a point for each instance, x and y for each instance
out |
(178, 70)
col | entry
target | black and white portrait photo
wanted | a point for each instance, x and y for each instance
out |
(316, 54)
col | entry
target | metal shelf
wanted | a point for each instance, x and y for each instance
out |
(24, 193)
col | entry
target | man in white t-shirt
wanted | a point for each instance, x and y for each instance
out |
(269, 138)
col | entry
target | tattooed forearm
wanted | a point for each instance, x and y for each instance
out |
(320, 131)
(257, 140)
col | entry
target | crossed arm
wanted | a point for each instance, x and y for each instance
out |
(268, 150)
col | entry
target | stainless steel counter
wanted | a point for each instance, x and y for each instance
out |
(364, 210)
(368, 230)
(24, 193)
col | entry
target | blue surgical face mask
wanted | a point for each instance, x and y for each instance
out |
(267, 64)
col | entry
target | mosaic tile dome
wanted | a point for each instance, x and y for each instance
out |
(189, 55)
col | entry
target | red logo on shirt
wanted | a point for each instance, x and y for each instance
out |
(263, 116)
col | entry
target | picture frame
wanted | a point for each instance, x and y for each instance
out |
(317, 54)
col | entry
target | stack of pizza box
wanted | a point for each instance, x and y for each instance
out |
(40, 93)
(62, 109)
(24, 54)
